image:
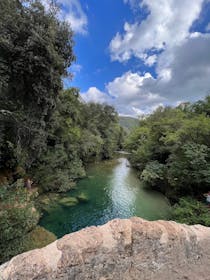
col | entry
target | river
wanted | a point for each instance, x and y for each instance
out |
(113, 191)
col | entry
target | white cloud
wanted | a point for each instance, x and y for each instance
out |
(150, 60)
(138, 111)
(208, 27)
(182, 74)
(126, 94)
(128, 88)
(130, 94)
(72, 12)
(163, 38)
(186, 70)
(166, 26)
(182, 68)
(95, 95)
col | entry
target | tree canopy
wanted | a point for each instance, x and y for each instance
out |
(35, 51)
(171, 150)
(46, 133)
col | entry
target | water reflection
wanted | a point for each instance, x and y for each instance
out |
(121, 191)
(114, 190)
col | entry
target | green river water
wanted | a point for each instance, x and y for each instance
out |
(113, 191)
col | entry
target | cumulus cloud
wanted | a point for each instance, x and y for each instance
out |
(93, 94)
(167, 25)
(182, 73)
(180, 60)
(126, 94)
(128, 89)
(150, 60)
(130, 96)
(72, 12)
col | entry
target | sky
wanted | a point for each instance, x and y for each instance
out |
(138, 55)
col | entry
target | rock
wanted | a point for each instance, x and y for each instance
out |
(121, 249)
(68, 201)
(82, 198)
(37, 238)
(47, 202)
(46, 199)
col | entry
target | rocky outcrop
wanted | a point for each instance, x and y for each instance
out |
(120, 249)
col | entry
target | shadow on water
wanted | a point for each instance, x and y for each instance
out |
(113, 190)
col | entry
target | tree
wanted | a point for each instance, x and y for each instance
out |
(171, 149)
(191, 211)
(189, 169)
(35, 51)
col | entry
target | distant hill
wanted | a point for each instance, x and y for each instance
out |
(128, 123)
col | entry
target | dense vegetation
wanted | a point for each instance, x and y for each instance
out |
(47, 134)
(171, 150)
(78, 133)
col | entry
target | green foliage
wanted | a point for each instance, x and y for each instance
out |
(46, 133)
(37, 238)
(139, 145)
(17, 213)
(153, 173)
(171, 149)
(9, 249)
(202, 106)
(189, 169)
(35, 51)
(91, 146)
(191, 211)
(102, 122)
(17, 221)
(58, 169)
(78, 133)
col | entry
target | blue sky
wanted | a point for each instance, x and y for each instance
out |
(140, 54)
(92, 48)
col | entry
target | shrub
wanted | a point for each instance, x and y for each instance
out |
(190, 211)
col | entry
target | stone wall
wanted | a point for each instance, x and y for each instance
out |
(121, 249)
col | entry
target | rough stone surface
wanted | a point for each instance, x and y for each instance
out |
(121, 249)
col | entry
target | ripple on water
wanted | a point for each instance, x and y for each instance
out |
(114, 191)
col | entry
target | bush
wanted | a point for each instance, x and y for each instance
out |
(171, 148)
(17, 212)
(37, 238)
(189, 169)
(57, 171)
(154, 173)
(190, 211)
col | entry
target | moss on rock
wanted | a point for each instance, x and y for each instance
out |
(68, 201)
(37, 238)
(82, 197)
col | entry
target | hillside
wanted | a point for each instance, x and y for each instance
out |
(128, 123)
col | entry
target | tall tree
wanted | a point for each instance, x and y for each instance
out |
(35, 51)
